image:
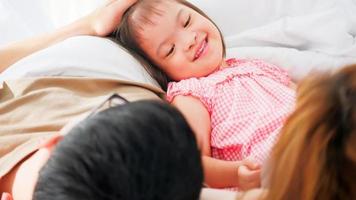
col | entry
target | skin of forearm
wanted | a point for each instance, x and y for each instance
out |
(13, 52)
(220, 173)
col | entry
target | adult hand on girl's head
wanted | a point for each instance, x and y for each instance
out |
(106, 19)
(100, 22)
(249, 175)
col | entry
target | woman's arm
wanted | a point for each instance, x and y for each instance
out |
(217, 173)
(100, 22)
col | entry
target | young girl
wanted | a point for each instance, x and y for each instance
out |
(235, 107)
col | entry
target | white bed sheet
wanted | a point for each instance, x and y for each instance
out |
(303, 40)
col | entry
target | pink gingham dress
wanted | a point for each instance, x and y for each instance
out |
(248, 102)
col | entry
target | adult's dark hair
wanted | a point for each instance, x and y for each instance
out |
(127, 35)
(141, 150)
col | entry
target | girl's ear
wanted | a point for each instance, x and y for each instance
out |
(51, 142)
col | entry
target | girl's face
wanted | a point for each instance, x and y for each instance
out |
(182, 42)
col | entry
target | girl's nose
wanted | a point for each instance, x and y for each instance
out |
(189, 39)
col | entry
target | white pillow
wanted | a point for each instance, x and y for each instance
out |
(297, 35)
(236, 16)
(85, 56)
(298, 63)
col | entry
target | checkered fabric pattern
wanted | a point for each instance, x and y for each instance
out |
(248, 102)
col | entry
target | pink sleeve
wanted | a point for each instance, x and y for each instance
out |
(272, 71)
(189, 87)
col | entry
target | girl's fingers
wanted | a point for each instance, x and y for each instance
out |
(6, 196)
(248, 174)
(249, 179)
(251, 165)
(251, 185)
(253, 175)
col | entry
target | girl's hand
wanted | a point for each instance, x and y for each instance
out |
(6, 196)
(104, 20)
(249, 175)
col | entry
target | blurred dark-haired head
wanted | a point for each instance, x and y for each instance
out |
(141, 150)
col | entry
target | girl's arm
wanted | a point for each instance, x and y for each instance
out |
(221, 173)
(101, 22)
(217, 173)
(198, 119)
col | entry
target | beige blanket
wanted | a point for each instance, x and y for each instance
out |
(32, 110)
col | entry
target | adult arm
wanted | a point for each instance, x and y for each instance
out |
(217, 173)
(100, 22)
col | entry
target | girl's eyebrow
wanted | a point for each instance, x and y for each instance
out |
(178, 14)
(177, 20)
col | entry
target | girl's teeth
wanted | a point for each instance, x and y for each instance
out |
(200, 50)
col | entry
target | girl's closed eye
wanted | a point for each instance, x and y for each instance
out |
(187, 22)
(171, 50)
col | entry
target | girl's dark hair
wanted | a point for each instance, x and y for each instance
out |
(140, 150)
(315, 157)
(127, 36)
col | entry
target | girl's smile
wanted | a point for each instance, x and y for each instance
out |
(203, 49)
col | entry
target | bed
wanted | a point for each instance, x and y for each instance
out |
(300, 36)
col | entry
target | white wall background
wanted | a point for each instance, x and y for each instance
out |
(23, 18)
